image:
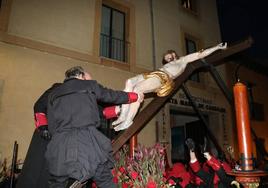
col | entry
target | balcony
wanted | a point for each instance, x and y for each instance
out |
(114, 48)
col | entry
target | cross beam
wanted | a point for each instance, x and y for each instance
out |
(158, 102)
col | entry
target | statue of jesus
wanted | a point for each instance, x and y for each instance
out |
(160, 81)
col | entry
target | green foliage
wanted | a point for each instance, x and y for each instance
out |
(145, 169)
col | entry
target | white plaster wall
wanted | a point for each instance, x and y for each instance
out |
(64, 23)
(144, 54)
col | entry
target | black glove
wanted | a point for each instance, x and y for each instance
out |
(44, 133)
(204, 148)
(190, 144)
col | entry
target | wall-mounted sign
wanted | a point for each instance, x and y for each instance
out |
(202, 103)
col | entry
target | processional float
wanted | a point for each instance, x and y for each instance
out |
(248, 177)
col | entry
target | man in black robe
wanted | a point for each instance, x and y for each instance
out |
(78, 151)
(34, 173)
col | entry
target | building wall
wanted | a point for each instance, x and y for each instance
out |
(63, 23)
(170, 30)
(41, 39)
(144, 54)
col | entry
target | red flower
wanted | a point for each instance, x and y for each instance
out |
(134, 175)
(122, 170)
(124, 185)
(115, 180)
(171, 182)
(151, 184)
(94, 185)
(113, 172)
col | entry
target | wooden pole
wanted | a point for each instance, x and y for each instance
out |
(132, 145)
(13, 165)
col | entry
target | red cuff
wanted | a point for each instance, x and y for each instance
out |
(109, 112)
(132, 97)
(214, 163)
(195, 166)
(227, 168)
(40, 119)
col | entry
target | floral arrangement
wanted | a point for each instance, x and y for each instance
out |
(145, 170)
(3, 170)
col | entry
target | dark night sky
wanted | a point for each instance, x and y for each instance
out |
(242, 18)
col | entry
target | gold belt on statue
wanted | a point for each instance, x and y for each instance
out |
(167, 83)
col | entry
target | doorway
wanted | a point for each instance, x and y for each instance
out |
(183, 126)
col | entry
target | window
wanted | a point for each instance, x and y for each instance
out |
(189, 5)
(191, 47)
(112, 41)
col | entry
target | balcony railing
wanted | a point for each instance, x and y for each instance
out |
(114, 48)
